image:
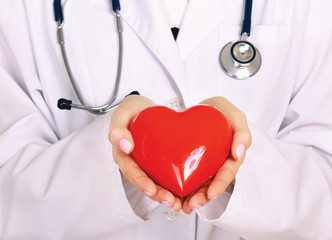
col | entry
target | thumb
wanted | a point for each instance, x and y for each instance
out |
(241, 134)
(121, 138)
(119, 135)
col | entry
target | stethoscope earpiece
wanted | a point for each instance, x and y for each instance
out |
(240, 59)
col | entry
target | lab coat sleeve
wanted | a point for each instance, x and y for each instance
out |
(59, 189)
(284, 188)
(51, 187)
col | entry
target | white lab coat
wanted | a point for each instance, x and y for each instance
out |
(57, 176)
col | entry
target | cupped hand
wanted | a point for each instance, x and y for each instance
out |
(226, 174)
(123, 144)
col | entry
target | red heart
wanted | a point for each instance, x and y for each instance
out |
(181, 150)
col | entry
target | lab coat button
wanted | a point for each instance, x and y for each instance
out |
(170, 214)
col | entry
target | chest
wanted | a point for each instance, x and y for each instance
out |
(188, 69)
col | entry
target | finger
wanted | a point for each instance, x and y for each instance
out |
(177, 205)
(165, 197)
(224, 177)
(134, 174)
(196, 201)
(119, 135)
(199, 199)
(241, 142)
(186, 209)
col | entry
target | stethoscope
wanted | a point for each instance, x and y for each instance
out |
(239, 59)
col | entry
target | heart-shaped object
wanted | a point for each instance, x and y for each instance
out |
(180, 151)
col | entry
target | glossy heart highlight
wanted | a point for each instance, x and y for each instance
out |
(180, 151)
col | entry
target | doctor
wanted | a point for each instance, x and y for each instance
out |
(61, 178)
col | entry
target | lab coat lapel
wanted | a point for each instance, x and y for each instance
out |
(195, 27)
(147, 18)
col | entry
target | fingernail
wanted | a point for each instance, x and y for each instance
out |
(166, 203)
(197, 206)
(240, 151)
(212, 196)
(125, 145)
(148, 193)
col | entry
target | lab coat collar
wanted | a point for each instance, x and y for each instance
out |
(147, 18)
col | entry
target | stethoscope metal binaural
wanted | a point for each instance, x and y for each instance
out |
(238, 59)
(67, 104)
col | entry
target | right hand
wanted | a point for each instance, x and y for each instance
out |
(123, 144)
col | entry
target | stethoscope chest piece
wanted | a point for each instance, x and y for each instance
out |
(240, 59)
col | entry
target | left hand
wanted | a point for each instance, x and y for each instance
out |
(226, 174)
